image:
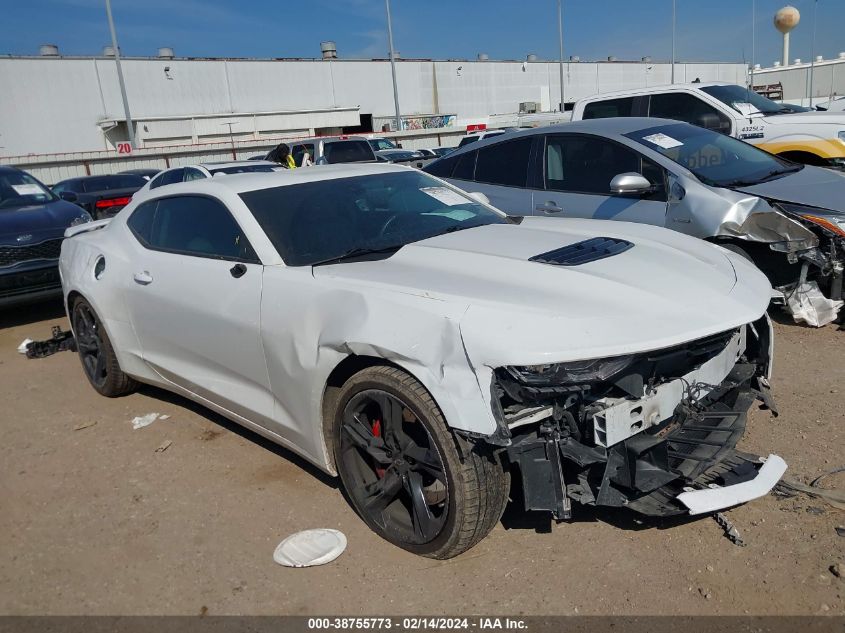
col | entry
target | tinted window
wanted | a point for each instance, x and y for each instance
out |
(141, 221)
(348, 151)
(504, 163)
(104, 183)
(586, 164)
(689, 108)
(442, 168)
(168, 178)
(196, 225)
(193, 174)
(609, 108)
(311, 222)
(68, 185)
(465, 167)
(468, 139)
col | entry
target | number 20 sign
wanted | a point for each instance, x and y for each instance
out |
(124, 148)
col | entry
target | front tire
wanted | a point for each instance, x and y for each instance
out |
(99, 361)
(403, 472)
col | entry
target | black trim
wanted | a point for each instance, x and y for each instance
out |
(590, 250)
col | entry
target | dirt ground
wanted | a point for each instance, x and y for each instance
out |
(94, 521)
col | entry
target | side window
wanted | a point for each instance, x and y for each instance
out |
(141, 221)
(682, 106)
(586, 164)
(465, 167)
(196, 225)
(504, 163)
(443, 167)
(298, 152)
(168, 178)
(59, 188)
(193, 174)
(609, 108)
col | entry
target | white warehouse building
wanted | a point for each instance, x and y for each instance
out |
(56, 104)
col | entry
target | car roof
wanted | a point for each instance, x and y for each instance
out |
(651, 89)
(9, 169)
(254, 181)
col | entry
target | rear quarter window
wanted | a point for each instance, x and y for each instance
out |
(348, 152)
(609, 108)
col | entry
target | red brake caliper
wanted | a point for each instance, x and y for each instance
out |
(377, 433)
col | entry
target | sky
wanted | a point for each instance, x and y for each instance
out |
(707, 30)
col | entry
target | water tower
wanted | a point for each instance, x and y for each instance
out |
(785, 20)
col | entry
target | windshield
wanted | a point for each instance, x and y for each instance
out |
(716, 159)
(19, 189)
(381, 143)
(318, 221)
(733, 95)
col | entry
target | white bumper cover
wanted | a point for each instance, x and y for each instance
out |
(720, 497)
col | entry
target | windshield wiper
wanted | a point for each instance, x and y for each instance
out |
(359, 251)
(769, 176)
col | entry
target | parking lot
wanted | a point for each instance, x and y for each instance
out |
(95, 520)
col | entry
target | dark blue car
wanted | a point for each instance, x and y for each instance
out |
(32, 224)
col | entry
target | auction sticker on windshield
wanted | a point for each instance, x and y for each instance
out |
(28, 190)
(662, 140)
(445, 195)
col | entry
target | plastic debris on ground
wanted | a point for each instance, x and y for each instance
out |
(310, 547)
(23, 345)
(807, 303)
(84, 425)
(144, 420)
(163, 446)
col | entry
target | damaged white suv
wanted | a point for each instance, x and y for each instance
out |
(424, 346)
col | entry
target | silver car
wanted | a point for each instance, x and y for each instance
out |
(787, 218)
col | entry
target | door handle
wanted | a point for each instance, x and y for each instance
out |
(549, 207)
(144, 278)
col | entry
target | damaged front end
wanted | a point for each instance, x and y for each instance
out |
(644, 431)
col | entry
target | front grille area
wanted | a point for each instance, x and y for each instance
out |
(16, 254)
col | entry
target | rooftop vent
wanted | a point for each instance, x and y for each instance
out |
(611, 58)
(757, 66)
(777, 64)
(483, 57)
(531, 57)
(819, 58)
(166, 53)
(646, 59)
(108, 51)
(329, 50)
(48, 50)
(841, 55)
(591, 250)
(574, 58)
(796, 61)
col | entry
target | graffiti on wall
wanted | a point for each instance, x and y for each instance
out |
(428, 122)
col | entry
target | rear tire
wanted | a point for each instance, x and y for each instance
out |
(398, 461)
(96, 353)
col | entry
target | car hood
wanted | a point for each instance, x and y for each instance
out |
(813, 186)
(805, 118)
(39, 221)
(666, 290)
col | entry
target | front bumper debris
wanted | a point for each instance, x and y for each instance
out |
(718, 497)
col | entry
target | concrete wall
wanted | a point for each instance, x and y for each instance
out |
(53, 105)
(828, 80)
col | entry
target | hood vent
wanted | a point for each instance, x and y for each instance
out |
(583, 252)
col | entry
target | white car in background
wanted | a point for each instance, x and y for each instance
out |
(403, 334)
(187, 173)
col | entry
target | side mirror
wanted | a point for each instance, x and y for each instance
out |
(630, 183)
(68, 196)
(711, 121)
(480, 197)
(321, 161)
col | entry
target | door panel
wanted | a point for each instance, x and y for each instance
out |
(198, 324)
(578, 170)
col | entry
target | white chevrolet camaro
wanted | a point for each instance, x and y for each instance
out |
(423, 346)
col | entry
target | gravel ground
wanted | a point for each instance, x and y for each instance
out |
(93, 520)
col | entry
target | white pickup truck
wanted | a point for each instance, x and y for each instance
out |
(793, 132)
